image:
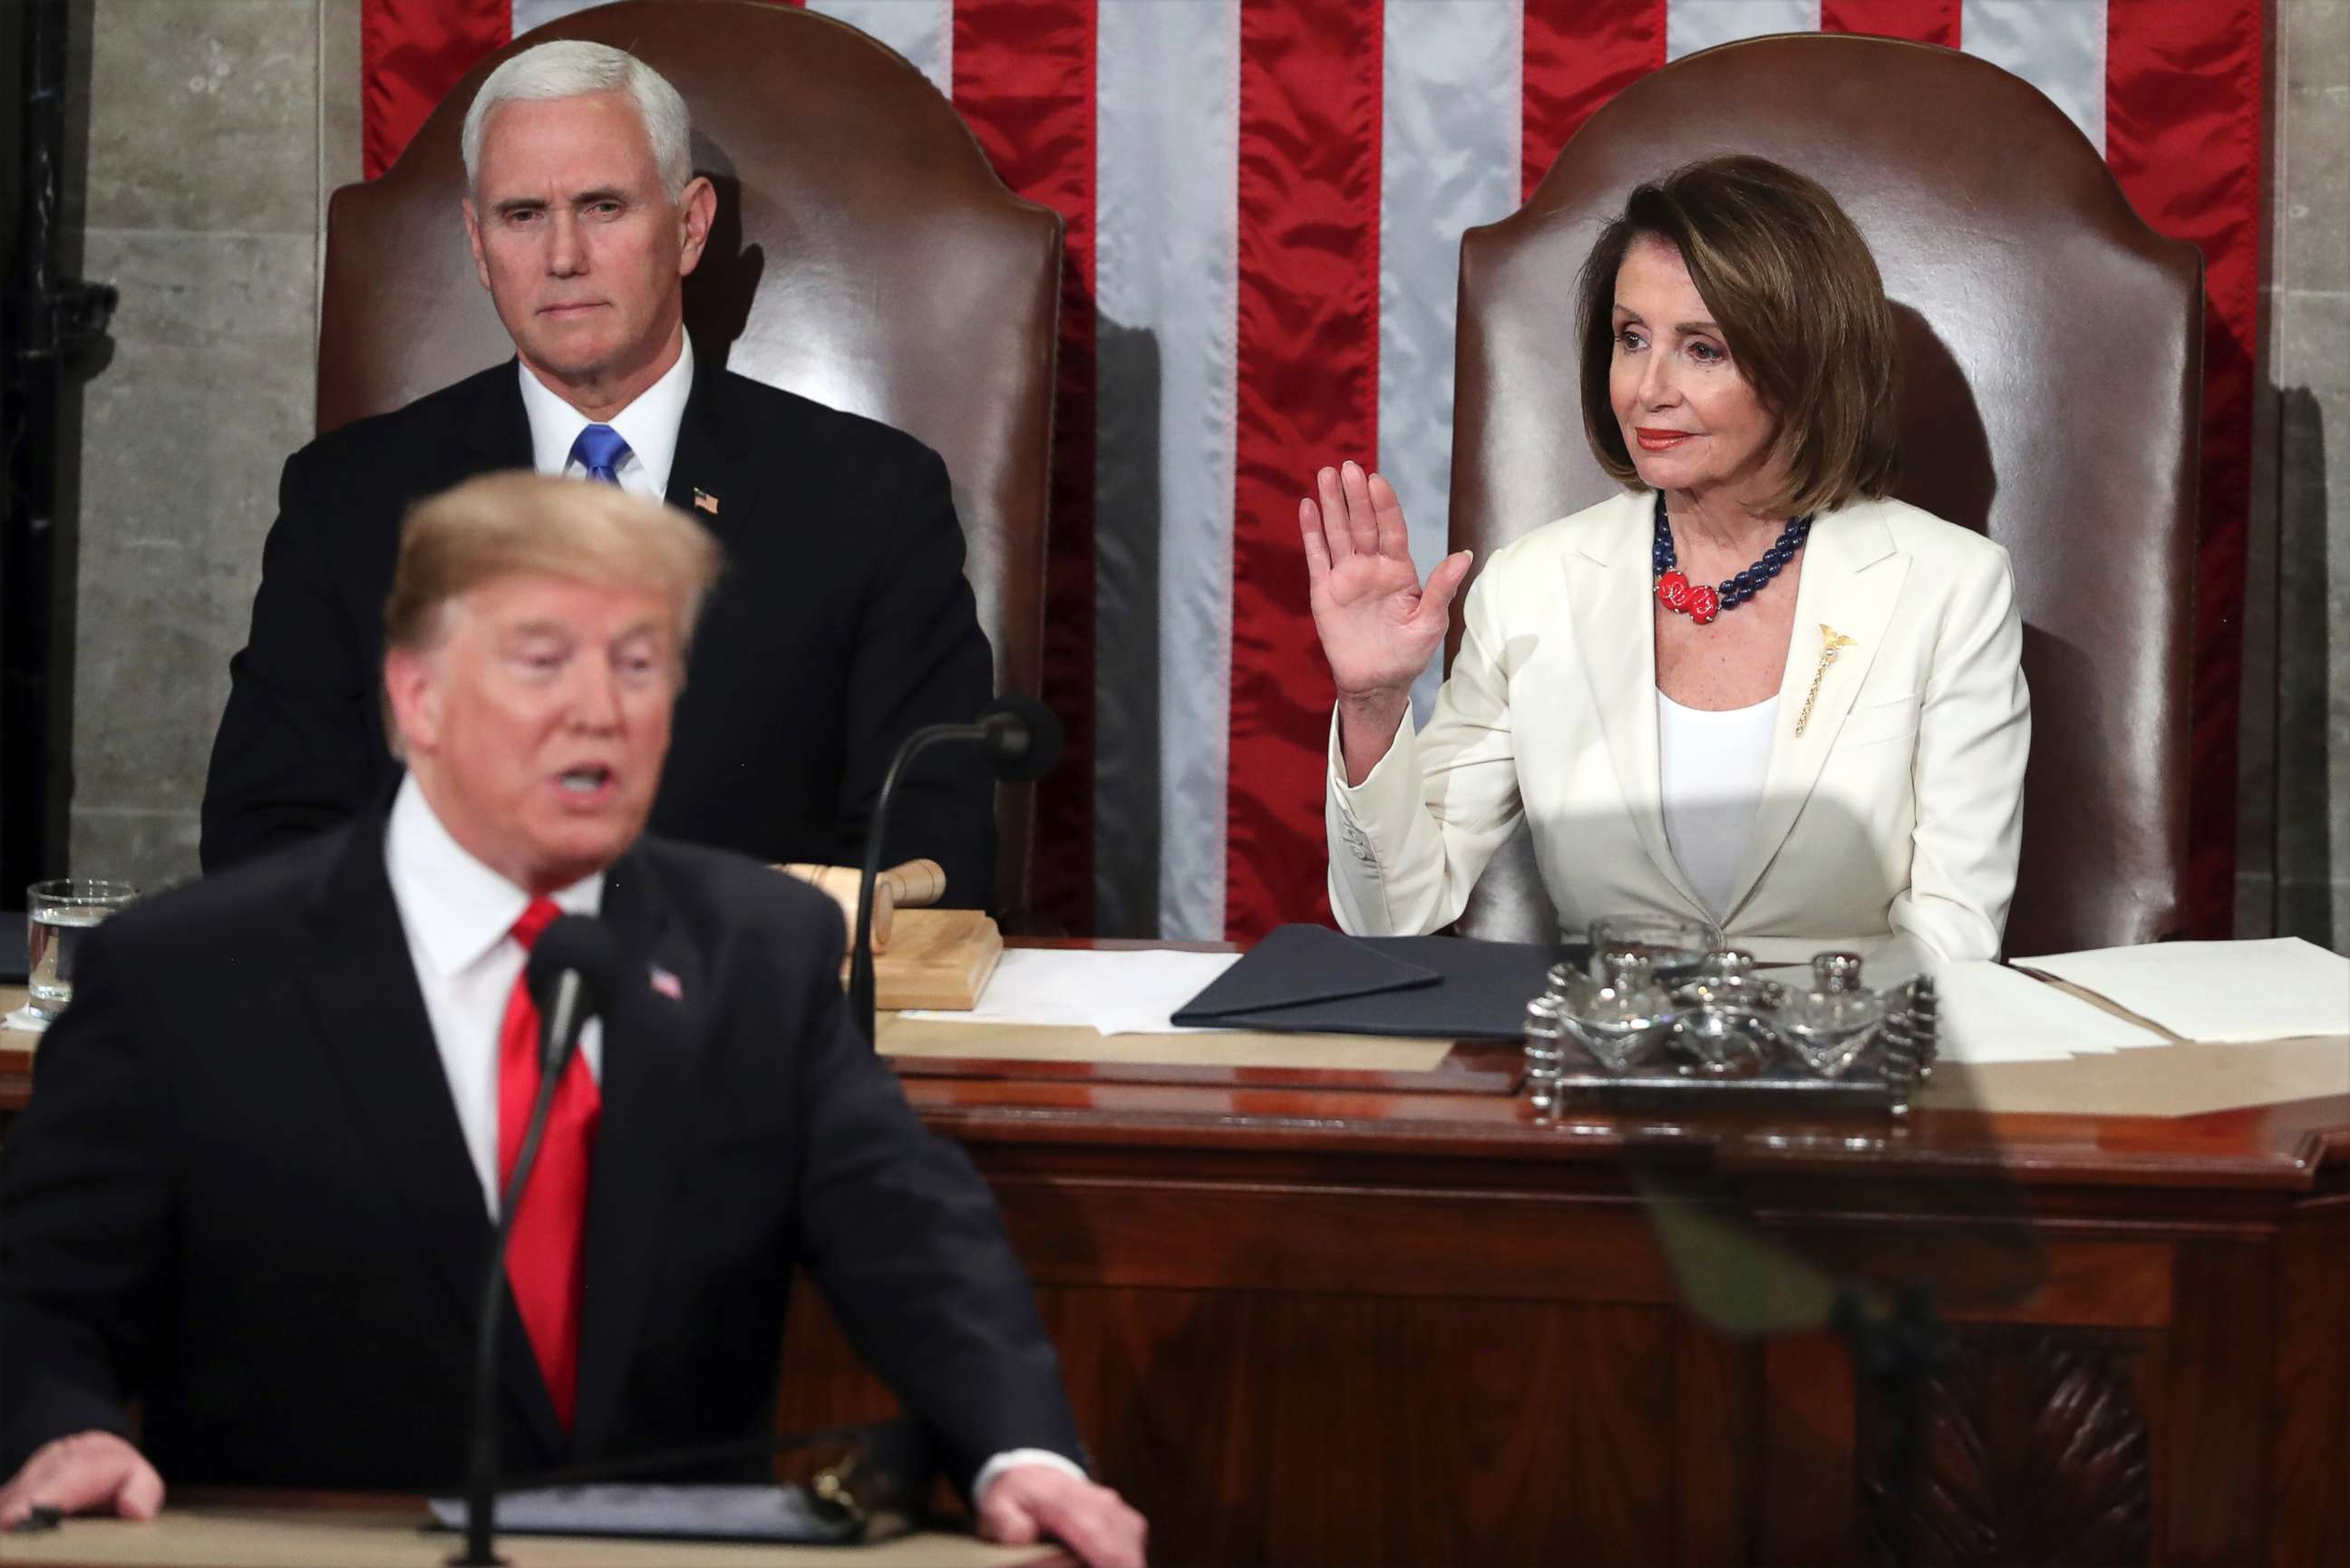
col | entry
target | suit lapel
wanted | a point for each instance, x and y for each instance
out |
(497, 429)
(647, 1088)
(1607, 595)
(371, 1015)
(1851, 580)
(712, 477)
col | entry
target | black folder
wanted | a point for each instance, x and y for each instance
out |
(1311, 980)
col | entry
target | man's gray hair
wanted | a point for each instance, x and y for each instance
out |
(574, 69)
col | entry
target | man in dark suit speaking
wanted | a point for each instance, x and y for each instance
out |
(257, 1184)
(844, 623)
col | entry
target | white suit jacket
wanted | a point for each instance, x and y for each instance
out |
(1889, 827)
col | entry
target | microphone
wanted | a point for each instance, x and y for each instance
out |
(1019, 738)
(570, 973)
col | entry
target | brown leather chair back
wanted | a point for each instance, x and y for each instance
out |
(2051, 347)
(865, 255)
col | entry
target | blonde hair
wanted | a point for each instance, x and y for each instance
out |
(509, 525)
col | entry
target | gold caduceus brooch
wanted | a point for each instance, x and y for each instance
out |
(1830, 640)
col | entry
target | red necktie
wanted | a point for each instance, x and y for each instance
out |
(543, 1255)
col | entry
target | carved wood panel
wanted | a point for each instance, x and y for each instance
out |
(2033, 1451)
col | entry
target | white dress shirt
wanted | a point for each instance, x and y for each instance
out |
(459, 918)
(649, 425)
(1712, 764)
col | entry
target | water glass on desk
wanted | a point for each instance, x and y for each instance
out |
(56, 914)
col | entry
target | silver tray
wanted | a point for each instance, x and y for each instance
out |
(1893, 1062)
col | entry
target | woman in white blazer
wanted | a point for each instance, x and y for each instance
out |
(1755, 689)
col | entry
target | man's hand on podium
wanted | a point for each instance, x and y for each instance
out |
(1028, 1502)
(89, 1472)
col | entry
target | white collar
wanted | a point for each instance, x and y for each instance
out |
(649, 425)
(456, 910)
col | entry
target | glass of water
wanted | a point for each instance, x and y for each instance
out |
(58, 913)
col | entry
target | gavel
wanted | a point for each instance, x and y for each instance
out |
(914, 886)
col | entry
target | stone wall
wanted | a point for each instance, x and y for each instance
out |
(218, 128)
(2293, 843)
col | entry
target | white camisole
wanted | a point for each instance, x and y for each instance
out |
(1711, 766)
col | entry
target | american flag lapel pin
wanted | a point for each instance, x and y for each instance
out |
(704, 502)
(667, 984)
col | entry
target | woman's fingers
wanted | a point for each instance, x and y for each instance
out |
(1317, 549)
(1387, 516)
(1336, 533)
(1362, 525)
(1436, 599)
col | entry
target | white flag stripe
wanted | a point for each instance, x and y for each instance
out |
(1694, 25)
(922, 30)
(2057, 45)
(1449, 159)
(530, 14)
(1166, 272)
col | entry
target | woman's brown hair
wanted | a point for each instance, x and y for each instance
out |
(1792, 286)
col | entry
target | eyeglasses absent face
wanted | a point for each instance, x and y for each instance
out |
(538, 722)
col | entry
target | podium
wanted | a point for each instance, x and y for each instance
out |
(342, 1530)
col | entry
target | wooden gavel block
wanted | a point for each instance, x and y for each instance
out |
(914, 886)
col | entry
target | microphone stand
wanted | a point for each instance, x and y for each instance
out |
(482, 1474)
(860, 962)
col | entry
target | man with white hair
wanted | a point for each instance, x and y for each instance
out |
(843, 624)
(256, 1185)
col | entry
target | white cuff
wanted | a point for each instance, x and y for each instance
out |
(1013, 1457)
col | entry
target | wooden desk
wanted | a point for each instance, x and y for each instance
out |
(1323, 1317)
(1333, 1317)
(221, 1528)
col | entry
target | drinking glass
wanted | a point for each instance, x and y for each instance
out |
(1674, 948)
(57, 916)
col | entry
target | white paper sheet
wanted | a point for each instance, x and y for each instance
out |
(1990, 1013)
(2218, 992)
(1114, 992)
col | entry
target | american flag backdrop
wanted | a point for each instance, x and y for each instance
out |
(1265, 205)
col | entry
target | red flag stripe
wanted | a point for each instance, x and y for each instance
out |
(1308, 395)
(411, 52)
(1577, 56)
(1919, 21)
(2183, 104)
(1024, 79)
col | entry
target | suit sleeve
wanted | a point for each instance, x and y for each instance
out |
(921, 658)
(86, 1248)
(902, 1234)
(1408, 843)
(1974, 736)
(299, 746)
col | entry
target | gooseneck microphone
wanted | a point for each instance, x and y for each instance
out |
(570, 973)
(1021, 739)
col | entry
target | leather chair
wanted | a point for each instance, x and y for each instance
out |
(2052, 349)
(865, 255)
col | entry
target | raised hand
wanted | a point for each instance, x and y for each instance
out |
(1378, 625)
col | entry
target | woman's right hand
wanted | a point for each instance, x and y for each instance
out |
(1378, 625)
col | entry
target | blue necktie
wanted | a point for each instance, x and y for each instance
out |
(600, 450)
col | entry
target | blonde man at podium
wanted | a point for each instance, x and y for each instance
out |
(257, 1185)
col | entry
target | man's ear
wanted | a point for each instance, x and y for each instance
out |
(412, 695)
(696, 209)
(473, 239)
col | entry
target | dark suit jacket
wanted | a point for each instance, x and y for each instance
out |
(240, 1194)
(842, 622)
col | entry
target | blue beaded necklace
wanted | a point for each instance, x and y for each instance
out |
(1702, 603)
